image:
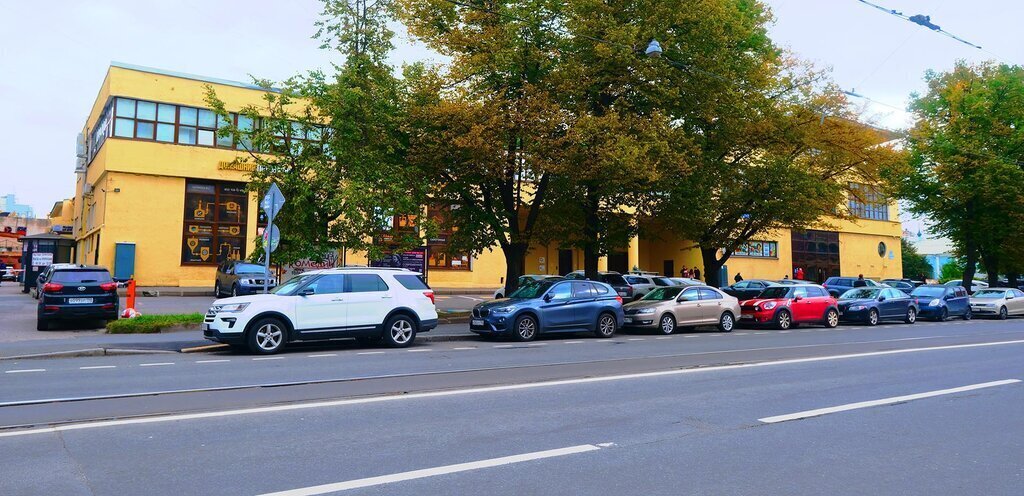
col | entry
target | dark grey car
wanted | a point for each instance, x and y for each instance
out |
(236, 278)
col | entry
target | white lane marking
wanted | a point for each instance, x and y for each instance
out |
(572, 342)
(759, 333)
(479, 390)
(23, 371)
(635, 339)
(94, 367)
(156, 364)
(537, 344)
(321, 355)
(883, 401)
(470, 298)
(502, 346)
(212, 361)
(419, 350)
(785, 332)
(268, 358)
(435, 471)
(371, 353)
(664, 337)
(691, 336)
(464, 348)
(741, 334)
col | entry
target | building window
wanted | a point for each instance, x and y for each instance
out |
(215, 221)
(758, 249)
(100, 131)
(441, 255)
(867, 203)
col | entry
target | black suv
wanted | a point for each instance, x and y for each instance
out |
(237, 278)
(76, 292)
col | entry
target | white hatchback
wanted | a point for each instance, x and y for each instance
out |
(369, 304)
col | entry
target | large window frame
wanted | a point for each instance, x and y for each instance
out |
(866, 202)
(758, 249)
(441, 257)
(217, 226)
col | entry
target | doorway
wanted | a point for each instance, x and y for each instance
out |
(564, 262)
(618, 262)
(668, 268)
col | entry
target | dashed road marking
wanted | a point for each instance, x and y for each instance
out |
(664, 337)
(572, 342)
(464, 348)
(156, 364)
(268, 358)
(418, 350)
(94, 367)
(321, 355)
(212, 361)
(371, 353)
(637, 339)
(502, 346)
(23, 371)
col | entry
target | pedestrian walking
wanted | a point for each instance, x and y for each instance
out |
(3, 271)
(696, 273)
(738, 277)
(800, 273)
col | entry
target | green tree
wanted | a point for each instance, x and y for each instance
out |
(964, 173)
(335, 144)
(952, 270)
(914, 264)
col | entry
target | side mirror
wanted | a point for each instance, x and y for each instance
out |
(881, 298)
(547, 298)
(798, 298)
(307, 292)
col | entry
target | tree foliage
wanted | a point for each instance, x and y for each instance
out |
(914, 264)
(964, 171)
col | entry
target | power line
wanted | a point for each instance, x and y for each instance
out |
(921, 20)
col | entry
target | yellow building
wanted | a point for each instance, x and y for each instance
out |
(158, 198)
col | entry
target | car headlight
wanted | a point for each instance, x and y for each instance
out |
(768, 305)
(857, 308)
(231, 308)
(504, 310)
(645, 311)
(934, 303)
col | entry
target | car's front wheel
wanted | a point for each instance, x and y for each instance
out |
(399, 331)
(234, 290)
(267, 336)
(667, 325)
(943, 315)
(606, 326)
(831, 318)
(1003, 313)
(216, 289)
(525, 328)
(726, 322)
(873, 317)
(783, 320)
(969, 314)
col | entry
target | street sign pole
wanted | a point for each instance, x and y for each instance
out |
(271, 204)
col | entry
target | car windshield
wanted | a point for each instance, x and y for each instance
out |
(80, 276)
(931, 292)
(989, 293)
(248, 268)
(613, 279)
(860, 293)
(292, 284)
(663, 281)
(663, 294)
(532, 290)
(774, 292)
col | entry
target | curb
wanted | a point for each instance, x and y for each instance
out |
(88, 352)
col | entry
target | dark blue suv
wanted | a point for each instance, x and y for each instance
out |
(551, 306)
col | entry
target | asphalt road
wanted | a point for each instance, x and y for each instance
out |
(701, 413)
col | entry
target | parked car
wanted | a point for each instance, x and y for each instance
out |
(524, 280)
(370, 304)
(613, 279)
(913, 283)
(899, 284)
(551, 306)
(839, 285)
(686, 281)
(10, 274)
(998, 302)
(748, 289)
(792, 282)
(873, 305)
(785, 306)
(237, 278)
(975, 285)
(74, 293)
(44, 275)
(669, 308)
(663, 281)
(641, 285)
(939, 302)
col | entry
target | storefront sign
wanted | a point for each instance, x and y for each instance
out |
(42, 259)
(236, 166)
(414, 260)
(330, 260)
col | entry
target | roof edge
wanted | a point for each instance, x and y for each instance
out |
(194, 77)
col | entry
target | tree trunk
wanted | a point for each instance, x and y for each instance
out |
(590, 241)
(515, 265)
(970, 265)
(1011, 279)
(712, 266)
(991, 267)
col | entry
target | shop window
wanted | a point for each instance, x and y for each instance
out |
(215, 222)
(442, 257)
(758, 249)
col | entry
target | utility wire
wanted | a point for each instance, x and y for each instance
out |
(921, 20)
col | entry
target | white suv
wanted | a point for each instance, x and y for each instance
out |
(369, 304)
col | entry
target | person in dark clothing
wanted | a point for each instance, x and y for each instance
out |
(3, 271)
(738, 277)
(696, 273)
(860, 282)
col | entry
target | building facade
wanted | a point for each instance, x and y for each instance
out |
(158, 198)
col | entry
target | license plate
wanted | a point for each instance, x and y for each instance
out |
(79, 301)
(477, 322)
(204, 327)
(746, 317)
(622, 293)
(628, 319)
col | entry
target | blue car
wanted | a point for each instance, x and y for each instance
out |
(873, 305)
(938, 302)
(551, 306)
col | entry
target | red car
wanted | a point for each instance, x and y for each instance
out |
(785, 306)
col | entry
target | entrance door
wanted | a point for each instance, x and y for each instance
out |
(618, 262)
(817, 253)
(668, 268)
(564, 262)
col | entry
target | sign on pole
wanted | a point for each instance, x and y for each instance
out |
(271, 204)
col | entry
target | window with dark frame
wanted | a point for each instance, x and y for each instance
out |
(215, 222)
(441, 255)
(867, 202)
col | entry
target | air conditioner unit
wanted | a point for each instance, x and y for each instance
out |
(80, 164)
(87, 189)
(81, 151)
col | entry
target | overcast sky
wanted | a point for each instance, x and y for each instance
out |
(53, 56)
